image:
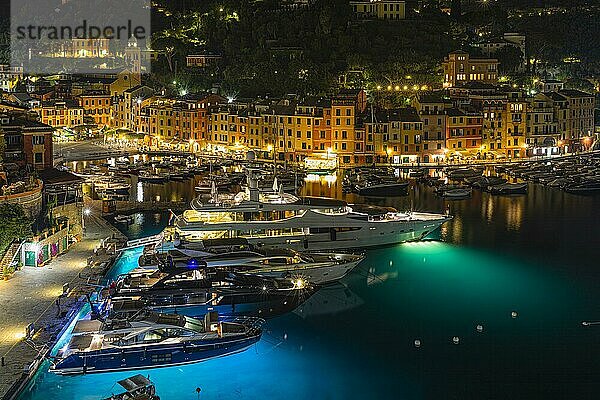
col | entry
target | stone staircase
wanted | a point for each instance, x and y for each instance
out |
(9, 256)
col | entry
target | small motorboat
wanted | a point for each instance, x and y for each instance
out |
(383, 189)
(124, 219)
(508, 188)
(584, 188)
(137, 387)
(457, 193)
(462, 173)
(561, 182)
(488, 181)
(440, 190)
(153, 178)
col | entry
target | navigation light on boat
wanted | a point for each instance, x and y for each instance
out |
(299, 283)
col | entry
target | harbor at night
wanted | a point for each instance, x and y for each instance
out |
(299, 199)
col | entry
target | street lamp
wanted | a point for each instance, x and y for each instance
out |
(84, 211)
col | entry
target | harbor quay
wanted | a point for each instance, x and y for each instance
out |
(44, 299)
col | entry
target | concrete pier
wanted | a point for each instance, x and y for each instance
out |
(35, 295)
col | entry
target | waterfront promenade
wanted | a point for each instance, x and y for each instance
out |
(88, 150)
(30, 296)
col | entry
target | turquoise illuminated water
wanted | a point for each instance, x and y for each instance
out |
(536, 255)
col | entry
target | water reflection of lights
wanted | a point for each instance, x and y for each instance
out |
(487, 209)
(140, 192)
(514, 214)
(374, 278)
(423, 244)
(457, 229)
(328, 179)
(444, 232)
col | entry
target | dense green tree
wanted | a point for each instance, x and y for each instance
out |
(14, 224)
(510, 58)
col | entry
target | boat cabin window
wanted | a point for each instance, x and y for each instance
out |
(176, 332)
(151, 336)
(319, 230)
(275, 260)
(347, 229)
(193, 275)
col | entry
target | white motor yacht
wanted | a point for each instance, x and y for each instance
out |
(282, 220)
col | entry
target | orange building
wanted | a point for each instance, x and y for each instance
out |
(65, 113)
(97, 108)
(463, 133)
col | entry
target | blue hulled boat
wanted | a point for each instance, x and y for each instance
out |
(152, 340)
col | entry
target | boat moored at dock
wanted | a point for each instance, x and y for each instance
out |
(283, 220)
(195, 290)
(156, 340)
(317, 268)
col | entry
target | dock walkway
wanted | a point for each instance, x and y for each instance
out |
(34, 295)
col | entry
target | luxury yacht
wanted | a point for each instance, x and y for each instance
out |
(318, 268)
(283, 220)
(157, 340)
(193, 289)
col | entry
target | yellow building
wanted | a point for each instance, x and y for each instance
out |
(460, 68)
(392, 10)
(492, 107)
(127, 110)
(543, 136)
(578, 124)
(515, 127)
(397, 135)
(431, 108)
(84, 48)
(463, 133)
